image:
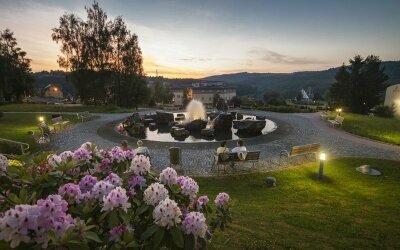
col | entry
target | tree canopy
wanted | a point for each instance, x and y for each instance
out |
(103, 56)
(16, 78)
(361, 85)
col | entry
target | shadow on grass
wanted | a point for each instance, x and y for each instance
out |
(325, 179)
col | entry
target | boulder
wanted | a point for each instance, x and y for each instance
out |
(164, 117)
(148, 121)
(150, 116)
(179, 132)
(239, 116)
(131, 120)
(136, 129)
(213, 115)
(233, 113)
(249, 126)
(270, 181)
(209, 132)
(152, 126)
(223, 122)
(260, 117)
(196, 125)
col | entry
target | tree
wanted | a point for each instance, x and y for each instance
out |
(221, 105)
(235, 101)
(162, 94)
(103, 56)
(339, 91)
(16, 78)
(317, 96)
(216, 98)
(273, 98)
(361, 85)
(186, 98)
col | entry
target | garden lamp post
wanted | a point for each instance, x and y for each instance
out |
(322, 158)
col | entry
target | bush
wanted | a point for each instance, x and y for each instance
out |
(384, 111)
(103, 199)
(1, 114)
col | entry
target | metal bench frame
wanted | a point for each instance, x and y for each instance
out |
(338, 121)
(59, 121)
(83, 115)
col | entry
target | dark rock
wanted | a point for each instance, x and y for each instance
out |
(196, 125)
(179, 132)
(148, 121)
(164, 117)
(239, 116)
(150, 116)
(213, 115)
(136, 129)
(260, 117)
(207, 132)
(270, 181)
(249, 126)
(233, 113)
(131, 120)
(223, 122)
(152, 126)
(172, 124)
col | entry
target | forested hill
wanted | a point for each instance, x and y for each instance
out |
(290, 83)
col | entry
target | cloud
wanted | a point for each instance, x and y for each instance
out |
(275, 57)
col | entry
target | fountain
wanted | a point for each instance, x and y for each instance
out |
(195, 125)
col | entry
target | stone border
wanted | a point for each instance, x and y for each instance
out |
(283, 129)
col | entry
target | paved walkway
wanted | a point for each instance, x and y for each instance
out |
(293, 129)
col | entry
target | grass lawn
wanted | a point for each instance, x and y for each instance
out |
(16, 126)
(62, 108)
(377, 128)
(345, 211)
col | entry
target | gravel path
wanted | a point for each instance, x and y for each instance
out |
(197, 159)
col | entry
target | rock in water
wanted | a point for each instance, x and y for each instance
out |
(249, 126)
(196, 125)
(179, 132)
(239, 116)
(152, 126)
(209, 132)
(164, 117)
(223, 122)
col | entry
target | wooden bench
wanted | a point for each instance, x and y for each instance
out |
(301, 150)
(59, 121)
(233, 158)
(338, 121)
(83, 115)
(324, 115)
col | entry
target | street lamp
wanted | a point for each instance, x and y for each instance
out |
(41, 118)
(322, 158)
(339, 110)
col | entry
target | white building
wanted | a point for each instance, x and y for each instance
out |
(203, 92)
(393, 98)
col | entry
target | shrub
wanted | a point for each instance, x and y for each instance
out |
(1, 114)
(285, 109)
(103, 199)
(384, 111)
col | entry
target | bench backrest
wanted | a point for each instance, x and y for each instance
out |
(339, 119)
(84, 113)
(57, 119)
(304, 149)
(250, 156)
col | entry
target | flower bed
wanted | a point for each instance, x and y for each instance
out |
(95, 198)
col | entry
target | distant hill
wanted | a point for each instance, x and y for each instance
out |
(290, 83)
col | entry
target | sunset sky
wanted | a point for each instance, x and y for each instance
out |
(200, 38)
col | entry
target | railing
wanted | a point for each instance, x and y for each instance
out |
(24, 146)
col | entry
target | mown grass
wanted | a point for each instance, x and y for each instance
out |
(377, 128)
(63, 108)
(16, 126)
(346, 210)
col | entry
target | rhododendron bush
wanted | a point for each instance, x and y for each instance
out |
(108, 199)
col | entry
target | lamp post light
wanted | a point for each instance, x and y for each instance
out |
(322, 158)
(41, 119)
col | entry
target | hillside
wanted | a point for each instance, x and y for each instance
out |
(290, 83)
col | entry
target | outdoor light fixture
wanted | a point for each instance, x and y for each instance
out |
(339, 110)
(55, 89)
(41, 118)
(322, 158)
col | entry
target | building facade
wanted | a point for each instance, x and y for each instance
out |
(393, 98)
(53, 90)
(203, 92)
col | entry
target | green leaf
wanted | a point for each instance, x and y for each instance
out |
(149, 232)
(93, 236)
(177, 236)
(142, 209)
(189, 242)
(133, 244)
(124, 216)
(113, 220)
(158, 237)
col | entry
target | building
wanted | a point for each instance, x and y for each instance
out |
(393, 98)
(53, 90)
(202, 91)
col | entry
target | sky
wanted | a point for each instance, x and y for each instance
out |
(184, 38)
